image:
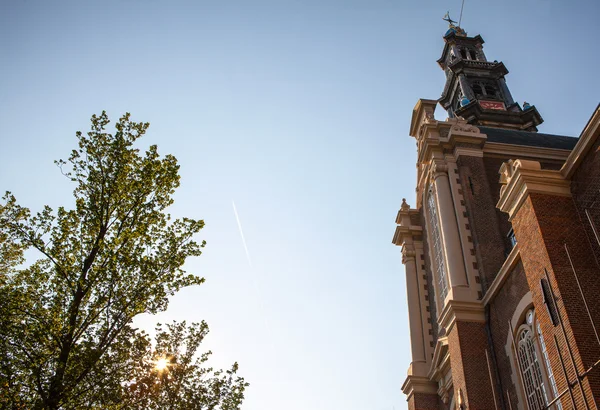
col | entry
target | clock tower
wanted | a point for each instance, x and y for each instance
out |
(476, 89)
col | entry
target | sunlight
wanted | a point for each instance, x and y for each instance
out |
(161, 364)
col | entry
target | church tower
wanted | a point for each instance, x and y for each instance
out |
(501, 249)
(476, 88)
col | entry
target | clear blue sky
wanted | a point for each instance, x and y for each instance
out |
(299, 112)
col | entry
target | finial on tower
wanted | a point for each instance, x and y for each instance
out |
(448, 19)
(453, 28)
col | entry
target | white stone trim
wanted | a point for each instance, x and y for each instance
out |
(468, 152)
(425, 297)
(524, 304)
(418, 384)
(469, 258)
(463, 311)
(440, 365)
(409, 237)
(524, 177)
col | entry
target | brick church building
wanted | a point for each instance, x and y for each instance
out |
(501, 249)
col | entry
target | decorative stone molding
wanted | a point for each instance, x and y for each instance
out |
(467, 246)
(408, 253)
(521, 177)
(418, 384)
(410, 238)
(468, 152)
(462, 311)
(405, 231)
(440, 364)
(429, 118)
(464, 127)
(404, 207)
(439, 168)
(444, 392)
(422, 113)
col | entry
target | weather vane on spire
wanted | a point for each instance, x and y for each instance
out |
(448, 19)
(455, 28)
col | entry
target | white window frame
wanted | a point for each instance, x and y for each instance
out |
(436, 249)
(538, 385)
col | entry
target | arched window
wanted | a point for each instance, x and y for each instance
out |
(463, 53)
(473, 54)
(439, 265)
(477, 89)
(490, 90)
(534, 365)
(551, 378)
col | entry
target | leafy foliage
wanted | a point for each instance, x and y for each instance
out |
(65, 319)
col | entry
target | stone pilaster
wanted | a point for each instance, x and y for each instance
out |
(417, 342)
(409, 235)
(457, 276)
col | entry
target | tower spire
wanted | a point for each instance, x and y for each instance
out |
(452, 27)
(476, 88)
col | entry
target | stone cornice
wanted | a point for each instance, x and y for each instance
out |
(513, 257)
(588, 137)
(403, 217)
(418, 384)
(422, 110)
(406, 231)
(520, 178)
(466, 140)
(402, 232)
(461, 132)
(495, 69)
(521, 151)
(461, 311)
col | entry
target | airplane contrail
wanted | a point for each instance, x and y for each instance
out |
(237, 218)
(256, 287)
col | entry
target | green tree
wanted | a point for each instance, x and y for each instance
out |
(66, 334)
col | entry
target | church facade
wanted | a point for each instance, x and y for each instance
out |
(501, 249)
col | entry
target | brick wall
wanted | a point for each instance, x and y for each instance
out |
(484, 220)
(585, 186)
(420, 401)
(467, 342)
(543, 225)
(489, 226)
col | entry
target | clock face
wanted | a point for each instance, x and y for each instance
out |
(492, 105)
(530, 317)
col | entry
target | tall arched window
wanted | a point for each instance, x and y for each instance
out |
(477, 89)
(439, 266)
(534, 365)
(490, 90)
